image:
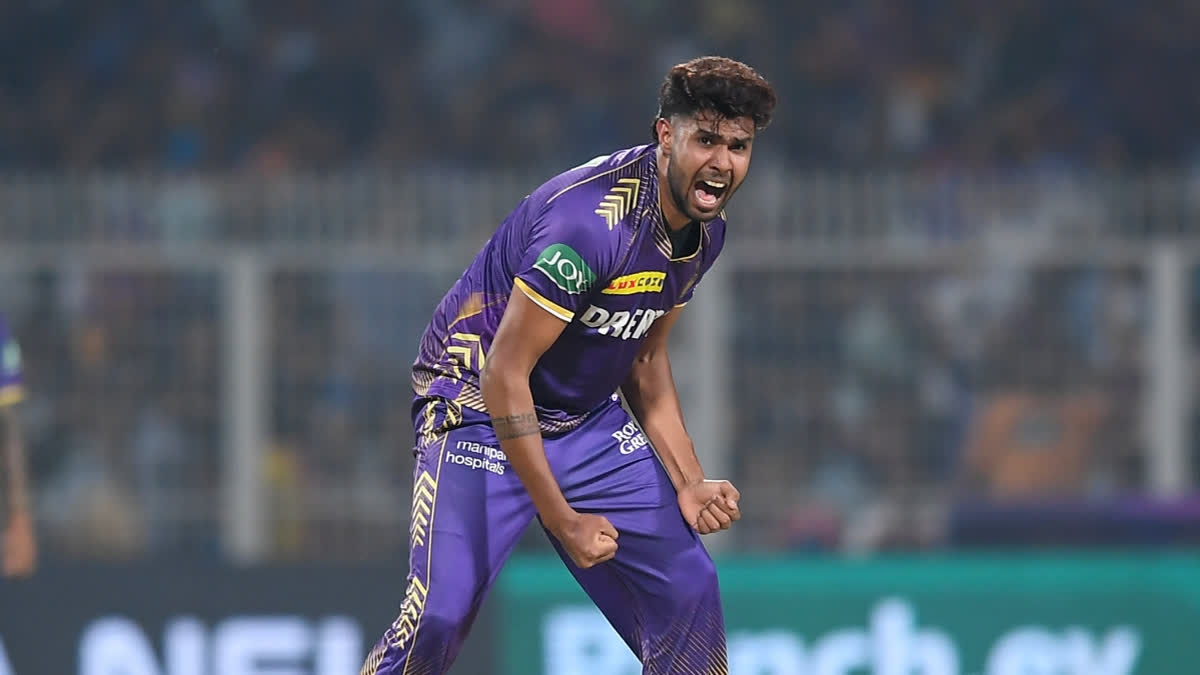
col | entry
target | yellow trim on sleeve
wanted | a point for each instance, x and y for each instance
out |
(11, 394)
(539, 300)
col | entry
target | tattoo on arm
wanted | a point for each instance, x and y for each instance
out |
(515, 426)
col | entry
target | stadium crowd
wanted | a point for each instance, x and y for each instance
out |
(216, 84)
(875, 400)
(875, 396)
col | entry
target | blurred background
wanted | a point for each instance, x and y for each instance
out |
(951, 345)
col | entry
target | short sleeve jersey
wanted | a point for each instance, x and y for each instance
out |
(590, 247)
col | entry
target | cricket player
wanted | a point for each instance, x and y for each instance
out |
(18, 545)
(517, 393)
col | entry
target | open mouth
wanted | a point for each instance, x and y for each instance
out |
(709, 192)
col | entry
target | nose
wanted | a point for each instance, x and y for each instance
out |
(721, 160)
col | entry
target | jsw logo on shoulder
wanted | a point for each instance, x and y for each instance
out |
(630, 439)
(621, 324)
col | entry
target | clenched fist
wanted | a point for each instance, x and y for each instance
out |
(588, 539)
(709, 505)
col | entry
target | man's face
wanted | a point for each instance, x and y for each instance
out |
(708, 157)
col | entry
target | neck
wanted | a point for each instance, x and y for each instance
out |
(672, 216)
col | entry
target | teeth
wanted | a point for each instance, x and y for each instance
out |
(714, 184)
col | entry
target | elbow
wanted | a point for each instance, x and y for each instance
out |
(487, 380)
(496, 380)
(636, 376)
(646, 360)
(647, 365)
(641, 379)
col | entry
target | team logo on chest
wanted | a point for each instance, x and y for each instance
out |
(621, 324)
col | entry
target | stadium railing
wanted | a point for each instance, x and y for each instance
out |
(218, 365)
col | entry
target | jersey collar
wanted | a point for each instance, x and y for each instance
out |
(652, 209)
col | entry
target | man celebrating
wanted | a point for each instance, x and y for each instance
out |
(517, 408)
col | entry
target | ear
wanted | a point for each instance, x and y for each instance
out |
(663, 128)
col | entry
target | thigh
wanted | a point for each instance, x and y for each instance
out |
(608, 465)
(464, 488)
(660, 592)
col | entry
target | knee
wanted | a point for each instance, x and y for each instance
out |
(441, 626)
(430, 638)
(439, 620)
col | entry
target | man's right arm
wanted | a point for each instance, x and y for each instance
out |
(561, 256)
(526, 331)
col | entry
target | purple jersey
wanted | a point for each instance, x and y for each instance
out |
(590, 247)
(10, 366)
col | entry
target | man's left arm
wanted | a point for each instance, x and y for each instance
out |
(707, 505)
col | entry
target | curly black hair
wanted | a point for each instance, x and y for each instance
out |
(714, 83)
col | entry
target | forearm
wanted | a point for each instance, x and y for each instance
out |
(510, 405)
(12, 449)
(652, 397)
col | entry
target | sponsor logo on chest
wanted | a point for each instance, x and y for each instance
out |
(565, 267)
(638, 282)
(622, 324)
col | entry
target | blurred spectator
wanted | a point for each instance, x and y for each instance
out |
(1025, 445)
(124, 427)
(878, 398)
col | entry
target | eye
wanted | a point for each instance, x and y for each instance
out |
(706, 140)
